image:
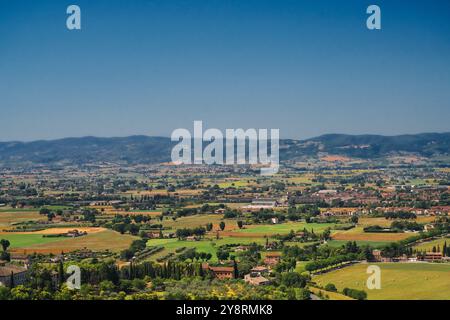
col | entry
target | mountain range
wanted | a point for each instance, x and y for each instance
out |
(145, 149)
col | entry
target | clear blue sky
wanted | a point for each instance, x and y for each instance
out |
(149, 67)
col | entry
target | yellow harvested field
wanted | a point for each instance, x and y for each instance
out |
(383, 222)
(65, 230)
(60, 230)
(357, 234)
(333, 158)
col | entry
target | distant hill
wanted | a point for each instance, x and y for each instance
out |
(368, 146)
(143, 149)
(133, 149)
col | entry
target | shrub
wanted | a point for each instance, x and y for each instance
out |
(330, 287)
(355, 294)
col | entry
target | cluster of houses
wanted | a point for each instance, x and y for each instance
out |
(158, 235)
(348, 212)
(75, 233)
(433, 211)
(220, 272)
(340, 212)
(329, 196)
(266, 203)
(355, 196)
(364, 197)
(260, 204)
(258, 275)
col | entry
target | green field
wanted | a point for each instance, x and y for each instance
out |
(399, 281)
(171, 244)
(300, 267)
(26, 240)
(199, 220)
(207, 246)
(284, 228)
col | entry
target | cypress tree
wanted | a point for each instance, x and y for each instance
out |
(235, 270)
(200, 271)
(11, 280)
(61, 273)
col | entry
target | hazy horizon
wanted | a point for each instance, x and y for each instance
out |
(168, 137)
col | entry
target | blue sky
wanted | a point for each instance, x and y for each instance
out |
(149, 67)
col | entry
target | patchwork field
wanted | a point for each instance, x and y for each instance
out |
(399, 281)
(12, 216)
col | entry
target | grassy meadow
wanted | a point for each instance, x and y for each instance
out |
(399, 281)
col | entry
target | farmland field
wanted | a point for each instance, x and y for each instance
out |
(200, 220)
(224, 150)
(233, 184)
(383, 222)
(428, 246)
(26, 240)
(375, 244)
(358, 234)
(399, 281)
(17, 210)
(105, 240)
(207, 245)
(171, 244)
(11, 216)
(284, 228)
